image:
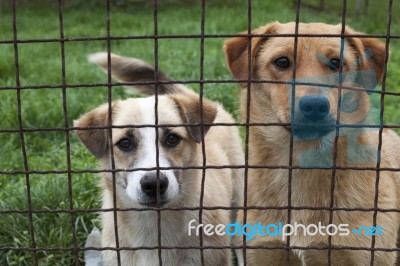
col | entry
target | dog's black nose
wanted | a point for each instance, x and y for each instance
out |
(314, 107)
(149, 184)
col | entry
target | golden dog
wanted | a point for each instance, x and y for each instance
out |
(309, 113)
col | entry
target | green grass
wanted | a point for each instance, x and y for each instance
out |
(40, 63)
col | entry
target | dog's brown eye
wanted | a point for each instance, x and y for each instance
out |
(172, 140)
(282, 62)
(125, 144)
(334, 64)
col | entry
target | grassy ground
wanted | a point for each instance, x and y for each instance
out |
(40, 64)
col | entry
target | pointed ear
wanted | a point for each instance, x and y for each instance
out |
(370, 53)
(189, 109)
(96, 140)
(237, 54)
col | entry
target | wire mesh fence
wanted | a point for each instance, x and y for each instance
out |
(252, 80)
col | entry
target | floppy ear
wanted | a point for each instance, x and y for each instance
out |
(371, 53)
(129, 69)
(96, 140)
(236, 51)
(189, 109)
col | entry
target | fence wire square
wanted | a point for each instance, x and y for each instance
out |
(13, 43)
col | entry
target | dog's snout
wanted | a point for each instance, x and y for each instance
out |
(149, 184)
(314, 107)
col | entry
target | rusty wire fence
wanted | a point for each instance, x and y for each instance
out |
(76, 249)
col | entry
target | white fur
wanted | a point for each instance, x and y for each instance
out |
(239, 256)
(149, 159)
(93, 257)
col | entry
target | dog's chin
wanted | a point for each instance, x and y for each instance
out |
(303, 129)
(310, 133)
(307, 132)
(152, 202)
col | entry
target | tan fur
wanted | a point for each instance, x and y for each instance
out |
(139, 228)
(312, 187)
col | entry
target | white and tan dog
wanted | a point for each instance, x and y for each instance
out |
(178, 146)
(312, 123)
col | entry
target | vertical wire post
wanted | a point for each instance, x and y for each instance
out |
(21, 133)
(247, 136)
(203, 145)
(109, 122)
(293, 96)
(381, 117)
(155, 19)
(337, 132)
(67, 140)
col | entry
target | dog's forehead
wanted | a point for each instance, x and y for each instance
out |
(306, 46)
(141, 111)
(308, 43)
(309, 28)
